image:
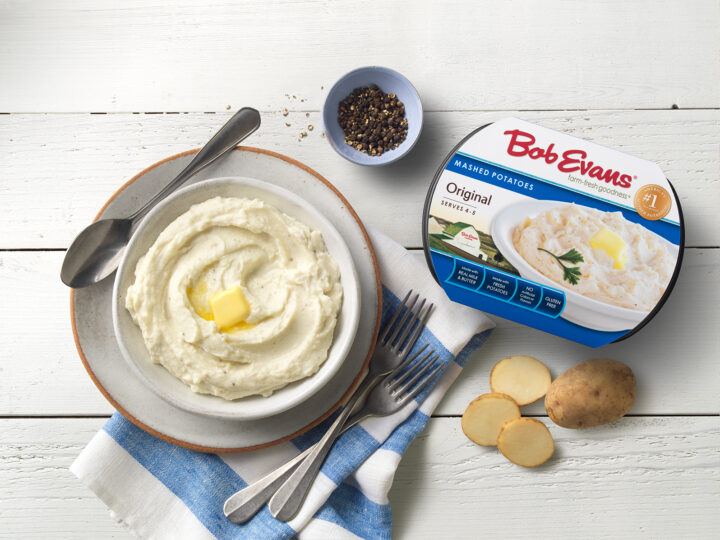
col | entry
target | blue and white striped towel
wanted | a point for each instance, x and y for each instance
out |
(158, 490)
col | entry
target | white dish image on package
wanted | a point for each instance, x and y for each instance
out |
(613, 271)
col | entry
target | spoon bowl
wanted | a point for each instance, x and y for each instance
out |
(96, 252)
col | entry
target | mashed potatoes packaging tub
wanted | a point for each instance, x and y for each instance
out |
(553, 231)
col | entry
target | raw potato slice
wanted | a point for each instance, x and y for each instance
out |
(526, 442)
(523, 378)
(485, 415)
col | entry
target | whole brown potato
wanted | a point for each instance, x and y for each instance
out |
(595, 392)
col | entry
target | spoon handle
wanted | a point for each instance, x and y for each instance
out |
(243, 123)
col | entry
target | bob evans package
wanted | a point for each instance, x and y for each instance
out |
(553, 231)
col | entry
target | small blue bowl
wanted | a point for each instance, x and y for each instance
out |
(388, 81)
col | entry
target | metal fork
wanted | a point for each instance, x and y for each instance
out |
(287, 501)
(397, 390)
(391, 395)
(392, 351)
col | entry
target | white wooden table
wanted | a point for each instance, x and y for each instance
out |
(92, 92)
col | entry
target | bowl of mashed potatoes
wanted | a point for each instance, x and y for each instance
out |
(613, 271)
(236, 298)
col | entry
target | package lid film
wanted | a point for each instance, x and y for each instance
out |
(552, 231)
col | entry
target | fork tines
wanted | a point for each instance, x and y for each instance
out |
(404, 327)
(405, 384)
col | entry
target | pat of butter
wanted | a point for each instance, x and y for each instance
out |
(229, 307)
(612, 244)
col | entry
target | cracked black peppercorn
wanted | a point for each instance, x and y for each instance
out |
(373, 122)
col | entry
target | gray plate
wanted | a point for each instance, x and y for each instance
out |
(95, 339)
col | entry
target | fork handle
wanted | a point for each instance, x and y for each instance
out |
(287, 501)
(244, 504)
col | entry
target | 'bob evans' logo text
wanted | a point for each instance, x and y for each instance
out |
(469, 236)
(521, 144)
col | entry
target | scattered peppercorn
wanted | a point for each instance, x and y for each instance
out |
(287, 124)
(285, 112)
(311, 127)
(373, 122)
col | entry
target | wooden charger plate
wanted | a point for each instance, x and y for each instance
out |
(90, 311)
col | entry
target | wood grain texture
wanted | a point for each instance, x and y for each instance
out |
(607, 71)
(201, 56)
(39, 496)
(59, 169)
(678, 368)
(614, 481)
(636, 478)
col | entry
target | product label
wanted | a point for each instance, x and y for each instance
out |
(553, 231)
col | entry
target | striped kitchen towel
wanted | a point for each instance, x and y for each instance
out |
(158, 490)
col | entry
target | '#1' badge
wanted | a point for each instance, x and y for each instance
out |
(652, 202)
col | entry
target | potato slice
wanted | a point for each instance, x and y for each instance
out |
(485, 415)
(526, 442)
(523, 378)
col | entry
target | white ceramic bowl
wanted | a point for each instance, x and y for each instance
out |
(167, 385)
(579, 309)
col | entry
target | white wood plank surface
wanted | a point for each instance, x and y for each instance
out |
(608, 71)
(201, 56)
(39, 496)
(677, 366)
(58, 170)
(639, 477)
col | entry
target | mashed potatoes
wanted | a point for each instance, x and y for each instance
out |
(634, 277)
(288, 278)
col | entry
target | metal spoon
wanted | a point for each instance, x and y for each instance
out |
(96, 252)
